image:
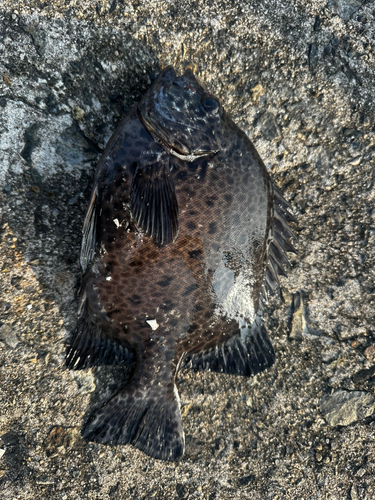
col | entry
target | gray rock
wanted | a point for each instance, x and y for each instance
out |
(8, 335)
(267, 126)
(345, 8)
(344, 407)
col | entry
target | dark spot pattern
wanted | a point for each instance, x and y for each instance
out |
(191, 226)
(165, 282)
(135, 300)
(188, 290)
(195, 254)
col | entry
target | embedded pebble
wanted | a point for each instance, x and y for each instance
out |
(344, 407)
(299, 321)
(8, 335)
(60, 438)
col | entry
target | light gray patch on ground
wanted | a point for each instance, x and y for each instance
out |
(299, 78)
(344, 407)
(345, 8)
(8, 335)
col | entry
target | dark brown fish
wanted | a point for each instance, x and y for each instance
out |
(184, 237)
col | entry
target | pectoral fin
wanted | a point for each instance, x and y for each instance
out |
(154, 203)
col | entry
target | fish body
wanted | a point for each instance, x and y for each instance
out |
(184, 235)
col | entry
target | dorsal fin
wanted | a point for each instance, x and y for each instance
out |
(89, 232)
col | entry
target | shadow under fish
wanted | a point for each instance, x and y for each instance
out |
(184, 238)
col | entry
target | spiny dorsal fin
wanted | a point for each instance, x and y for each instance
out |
(154, 203)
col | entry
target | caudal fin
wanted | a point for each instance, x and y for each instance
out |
(149, 418)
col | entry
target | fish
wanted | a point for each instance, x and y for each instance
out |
(183, 241)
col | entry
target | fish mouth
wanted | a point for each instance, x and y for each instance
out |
(177, 150)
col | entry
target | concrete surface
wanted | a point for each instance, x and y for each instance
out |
(299, 77)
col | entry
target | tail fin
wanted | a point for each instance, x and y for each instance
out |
(147, 417)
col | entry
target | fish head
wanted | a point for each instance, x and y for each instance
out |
(182, 115)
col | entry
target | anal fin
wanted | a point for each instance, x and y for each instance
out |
(148, 417)
(245, 354)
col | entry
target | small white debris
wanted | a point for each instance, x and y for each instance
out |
(153, 323)
(29, 306)
(356, 161)
(108, 278)
(1, 452)
(117, 223)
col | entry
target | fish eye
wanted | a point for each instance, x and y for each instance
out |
(210, 104)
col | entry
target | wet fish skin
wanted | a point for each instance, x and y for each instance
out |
(185, 230)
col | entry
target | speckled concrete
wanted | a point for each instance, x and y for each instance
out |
(299, 78)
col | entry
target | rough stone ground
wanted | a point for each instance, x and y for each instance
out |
(299, 78)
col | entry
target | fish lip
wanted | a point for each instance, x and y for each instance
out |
(199, 153)
(205, 151)
(161, 139)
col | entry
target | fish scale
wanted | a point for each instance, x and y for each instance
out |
(184, 237)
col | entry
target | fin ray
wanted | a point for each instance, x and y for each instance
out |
(279, 198)
(89, 232)
(282, 226)
(283, 243)
(279, 245)
(148, 417)
(154, 203)
(278, 252)
(238, 356)
(91, 345)
(277, 267)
